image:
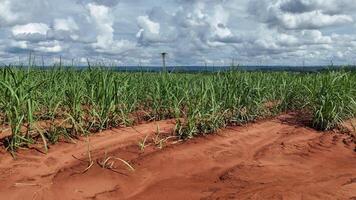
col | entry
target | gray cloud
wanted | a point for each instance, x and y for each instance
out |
(301, 14)
(109, 3)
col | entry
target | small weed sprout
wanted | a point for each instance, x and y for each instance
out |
(142, 144)
(109, 163)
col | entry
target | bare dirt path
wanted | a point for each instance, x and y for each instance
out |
(273, 159)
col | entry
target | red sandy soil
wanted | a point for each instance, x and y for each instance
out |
(272, 159)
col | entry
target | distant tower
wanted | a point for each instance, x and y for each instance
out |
(164, 54)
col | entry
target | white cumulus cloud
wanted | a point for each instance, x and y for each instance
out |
(103, 20)
(31, 28)
(67, 24)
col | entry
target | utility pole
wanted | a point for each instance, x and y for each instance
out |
(164, 54)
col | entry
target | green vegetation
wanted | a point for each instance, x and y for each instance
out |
(46, 105)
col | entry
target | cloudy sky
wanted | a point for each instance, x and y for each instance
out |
(192, 32)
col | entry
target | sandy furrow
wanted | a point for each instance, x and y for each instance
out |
(273, 159)
(33, 171)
